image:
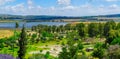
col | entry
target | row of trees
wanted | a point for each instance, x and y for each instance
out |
(109, 30)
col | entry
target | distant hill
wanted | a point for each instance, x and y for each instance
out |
(112, 15)
(35, 17)
(47, 17)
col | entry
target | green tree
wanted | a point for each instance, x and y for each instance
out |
(111, 36)
(109, 26)
(81, 30)
(99, 53)
(54, 28)
(93, 29)
(68, 27)
(47, 55)
(2, 43)
(100, 28)
(98, 45)
(16, 25)
(118, 26)
(71, 50)
(116, 41)
(64, 54)
(33, 39)
(22, 44)
(80, 45)
(61, 28)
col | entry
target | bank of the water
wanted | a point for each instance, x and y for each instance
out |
(29, 24)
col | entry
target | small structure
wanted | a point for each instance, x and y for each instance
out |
(76, 39)
(89, 49)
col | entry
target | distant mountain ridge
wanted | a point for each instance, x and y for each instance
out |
(112, 15)
(47, 17)
(35, 17)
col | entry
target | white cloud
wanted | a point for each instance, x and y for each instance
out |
(114, 6)
(64, 2)
(2, 2)
(67, 9)
(18, 8)
(63, 11)
(86, 5)
(30, 4)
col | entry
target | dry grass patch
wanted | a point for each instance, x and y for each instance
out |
(74, 23)
(6, 33)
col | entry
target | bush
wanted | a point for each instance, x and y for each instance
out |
(116, 41)
(99, 53)
(5, 56)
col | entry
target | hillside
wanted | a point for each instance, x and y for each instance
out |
(46, 17)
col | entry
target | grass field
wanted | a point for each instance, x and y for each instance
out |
(6, 33)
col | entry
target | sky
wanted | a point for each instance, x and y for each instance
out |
(60, 7)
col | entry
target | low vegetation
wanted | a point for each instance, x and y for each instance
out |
(80, 41)
(6, 33)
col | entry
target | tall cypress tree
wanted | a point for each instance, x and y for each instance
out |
(16, 25)
(22, 44)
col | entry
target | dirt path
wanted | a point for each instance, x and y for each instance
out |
(54, 50)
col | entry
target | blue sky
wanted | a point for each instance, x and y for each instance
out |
(60, 7)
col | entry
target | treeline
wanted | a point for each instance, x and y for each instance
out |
(109, 30)
(77, 34)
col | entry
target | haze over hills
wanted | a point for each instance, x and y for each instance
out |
(35, 17)
(47, 17)
(113, 15)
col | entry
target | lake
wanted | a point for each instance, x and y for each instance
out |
(29, 24)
